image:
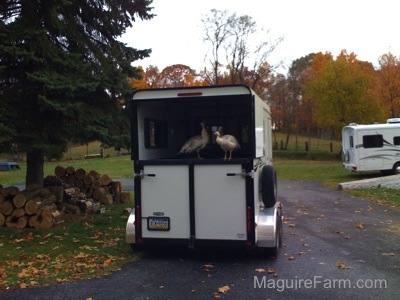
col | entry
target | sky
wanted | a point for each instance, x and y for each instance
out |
(368, 28)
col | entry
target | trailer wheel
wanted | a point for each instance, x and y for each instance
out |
(268, 186)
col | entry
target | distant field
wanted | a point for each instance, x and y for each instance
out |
(117, 165)
(299, 143)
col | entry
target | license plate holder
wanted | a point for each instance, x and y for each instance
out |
(158, 223)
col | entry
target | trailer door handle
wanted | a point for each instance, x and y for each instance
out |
(243, 174)
(141, 174)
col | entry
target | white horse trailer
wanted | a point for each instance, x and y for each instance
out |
(372, 147)
(209, 201)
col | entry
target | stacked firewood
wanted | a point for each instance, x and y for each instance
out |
(69, 191)
(34, 207)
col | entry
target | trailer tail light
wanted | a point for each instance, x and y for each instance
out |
(248, 219)
(354, 168)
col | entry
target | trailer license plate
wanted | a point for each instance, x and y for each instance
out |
(158, 223)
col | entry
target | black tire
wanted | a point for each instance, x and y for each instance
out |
(396, 168)
(268, 186)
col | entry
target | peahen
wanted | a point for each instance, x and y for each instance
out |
(227, 143)
(196, 143)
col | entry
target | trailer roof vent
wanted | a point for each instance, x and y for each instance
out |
(353, 124)
(393, 120)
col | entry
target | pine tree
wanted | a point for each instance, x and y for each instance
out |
(63, 72)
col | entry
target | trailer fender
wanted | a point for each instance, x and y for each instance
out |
(269, 229)
(130, 228)
(268, 186)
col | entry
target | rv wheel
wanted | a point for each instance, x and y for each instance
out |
(345, 156)
(396, 168)
(268, 186)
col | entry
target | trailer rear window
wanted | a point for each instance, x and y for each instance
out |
(373, 141)
(156, 133)
(396, 140)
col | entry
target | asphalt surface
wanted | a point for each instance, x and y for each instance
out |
(335, 247)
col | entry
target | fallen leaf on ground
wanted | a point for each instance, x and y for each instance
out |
(272, 271)
(342, 265)
(207, 267)
(360, 225)
(260, 270)
(389, 254)
(224, 289)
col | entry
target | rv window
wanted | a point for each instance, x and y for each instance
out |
(373, 141)
(396, 140)
(351, 142)
(155, 133)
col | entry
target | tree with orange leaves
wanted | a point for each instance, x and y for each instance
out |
(343, 91)
(389, 83)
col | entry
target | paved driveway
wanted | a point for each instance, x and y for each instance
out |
(336, 247)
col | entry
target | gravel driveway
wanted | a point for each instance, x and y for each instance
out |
(335, 247)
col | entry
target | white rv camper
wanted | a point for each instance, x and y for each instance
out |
(209, 201)
(373, 147)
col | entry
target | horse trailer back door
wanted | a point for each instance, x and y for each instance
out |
(220, 205)
(165, 202)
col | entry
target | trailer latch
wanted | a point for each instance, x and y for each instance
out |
(243, 174)
(142, 174)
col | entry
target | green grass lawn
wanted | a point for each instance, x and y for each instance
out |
(113, 166)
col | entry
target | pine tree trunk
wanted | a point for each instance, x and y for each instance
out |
(34, 167)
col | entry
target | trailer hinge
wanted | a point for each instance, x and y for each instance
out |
(243, 174)
(141, 174)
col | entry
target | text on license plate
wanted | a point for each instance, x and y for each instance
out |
(158, 223)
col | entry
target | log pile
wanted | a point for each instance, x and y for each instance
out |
(70, 191)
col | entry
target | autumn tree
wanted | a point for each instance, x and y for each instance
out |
(63, 72)
(178, 76)
(302, 106)
(232, 37)
(172, 76)
(281, 110)
(342, 90)
(217, 31)
(389, 83)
